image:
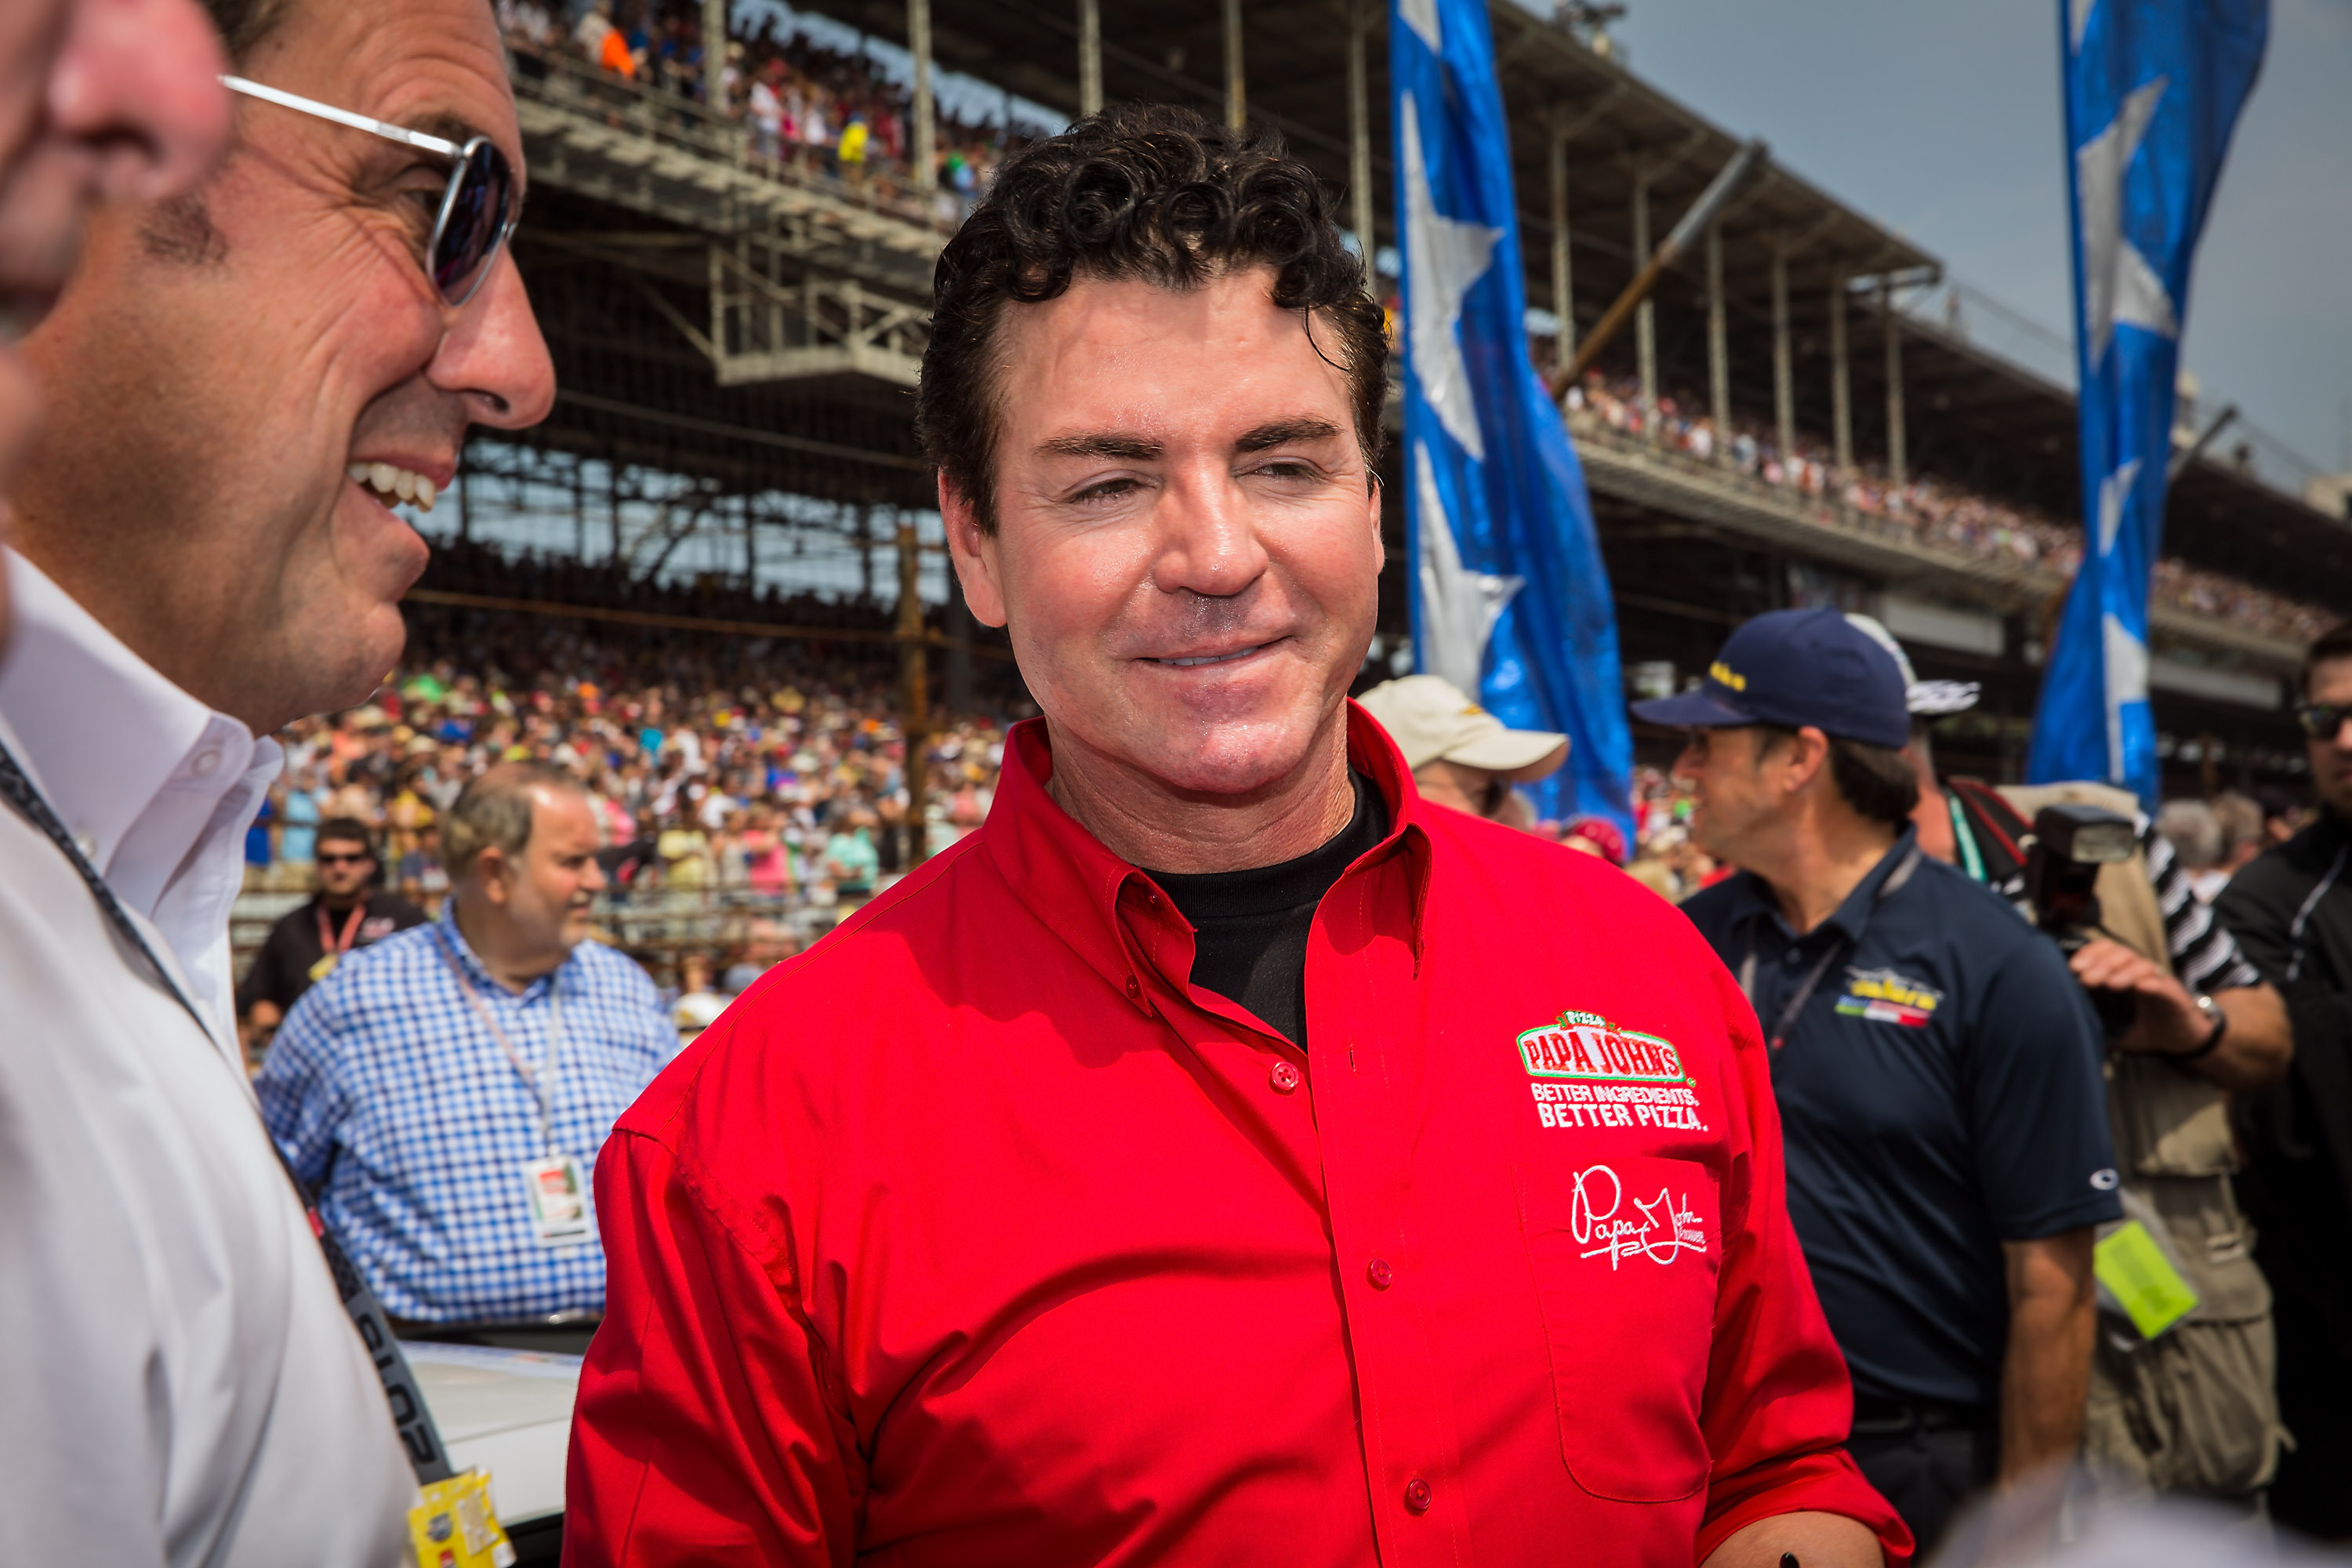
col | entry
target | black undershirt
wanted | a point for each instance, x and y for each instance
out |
(1252, 925)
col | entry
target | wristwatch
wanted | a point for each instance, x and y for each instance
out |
(2212, 1010)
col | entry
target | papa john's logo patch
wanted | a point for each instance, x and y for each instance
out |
(1883, 996)
(1589, 1046)
(1591, 1073)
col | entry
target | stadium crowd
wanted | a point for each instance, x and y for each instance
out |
(1935, 509)
(757, 774)
(811, 112)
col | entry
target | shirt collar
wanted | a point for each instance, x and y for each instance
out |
(477, 973)
(1851, 919)
(1058, 868)
(101, 774)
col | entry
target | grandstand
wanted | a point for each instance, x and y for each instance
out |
(736, 328)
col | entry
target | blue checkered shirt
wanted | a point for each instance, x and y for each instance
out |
(399, 1107)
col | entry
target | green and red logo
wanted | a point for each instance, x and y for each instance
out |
(1589, 1046)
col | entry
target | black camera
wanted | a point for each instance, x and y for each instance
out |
(2071, 843)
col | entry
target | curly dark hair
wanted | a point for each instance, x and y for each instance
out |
(1138, 191)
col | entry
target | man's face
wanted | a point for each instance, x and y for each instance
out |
(1737, 791)
(344, 867)
(219, 363)
(2331, 760)
(1189, 549)
(545, 891)
(100, 99)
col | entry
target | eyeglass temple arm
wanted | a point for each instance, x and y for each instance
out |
(342, 117)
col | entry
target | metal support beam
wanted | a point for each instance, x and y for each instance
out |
(926, 125)
(714, 54)
(1645, 315)
(1784, 378)
(914, 699)
(1359, 137)
(1899, 463)
(1563, 290)
(1636, 299)
(1089, 56)
(1236, 95)
(865, 553)
(1840, 382)
(1718, 347)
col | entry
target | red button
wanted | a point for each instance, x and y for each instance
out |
(1134, 986)
(1285, 1078)
(1417, 1496)
(1379, 1273)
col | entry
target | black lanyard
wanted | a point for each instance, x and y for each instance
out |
(1835, 950)
(418, 1436)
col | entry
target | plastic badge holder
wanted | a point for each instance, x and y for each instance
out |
(2139, 1278)
(454, 1527)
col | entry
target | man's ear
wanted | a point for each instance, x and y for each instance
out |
(1380, 544)
(972, 551)
(490, 870)
(1809, 756)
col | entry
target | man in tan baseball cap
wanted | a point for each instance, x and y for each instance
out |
(1460, 754)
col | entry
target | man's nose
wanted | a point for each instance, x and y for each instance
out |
(1210, 543)
(139, 81)
(494, 356)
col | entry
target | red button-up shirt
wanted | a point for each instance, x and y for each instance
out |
(977, 1235)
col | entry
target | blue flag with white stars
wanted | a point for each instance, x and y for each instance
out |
(2153, 89)
(1510, 600)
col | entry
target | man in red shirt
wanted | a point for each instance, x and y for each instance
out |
(1361, 1182)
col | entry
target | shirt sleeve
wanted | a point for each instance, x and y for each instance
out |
(302, 1102)
(2036, 1100)
(2204, 955)
(1779, 1402)
(2258, 916)
(707, 1429)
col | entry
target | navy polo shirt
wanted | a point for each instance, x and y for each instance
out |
(1940, 1093)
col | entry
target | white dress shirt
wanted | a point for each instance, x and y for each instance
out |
(180, 1381)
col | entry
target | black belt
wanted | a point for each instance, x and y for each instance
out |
(1879, 1416)
(419, 1438)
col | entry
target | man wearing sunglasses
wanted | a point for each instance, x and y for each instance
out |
(303, 948)
(241, 382)
(2291, 910)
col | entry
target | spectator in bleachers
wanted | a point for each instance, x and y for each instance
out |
(446, 1091)
(1933, 508)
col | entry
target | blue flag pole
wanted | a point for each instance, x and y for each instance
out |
(2153, 89)
(1510, 598)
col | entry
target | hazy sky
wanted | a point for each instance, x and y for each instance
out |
(1941, 120)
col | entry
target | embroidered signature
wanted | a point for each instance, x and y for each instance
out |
(1666, 1230)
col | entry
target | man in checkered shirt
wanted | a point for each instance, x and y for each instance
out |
(446, 1091)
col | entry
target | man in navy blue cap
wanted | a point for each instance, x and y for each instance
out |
(1937, 1068)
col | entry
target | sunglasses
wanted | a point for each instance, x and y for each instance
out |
(478, 211)
(2322, 720)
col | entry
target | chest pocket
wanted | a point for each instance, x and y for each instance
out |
(1625, 1252)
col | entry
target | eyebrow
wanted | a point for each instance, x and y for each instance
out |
(1283, 432)
(1104, 444)
(1144, 449)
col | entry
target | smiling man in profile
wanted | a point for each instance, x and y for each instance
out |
(1220, 1153)
(194, 567)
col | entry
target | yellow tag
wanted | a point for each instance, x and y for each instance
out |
(324, 967)
(454, 1527)
(2136, 1273)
